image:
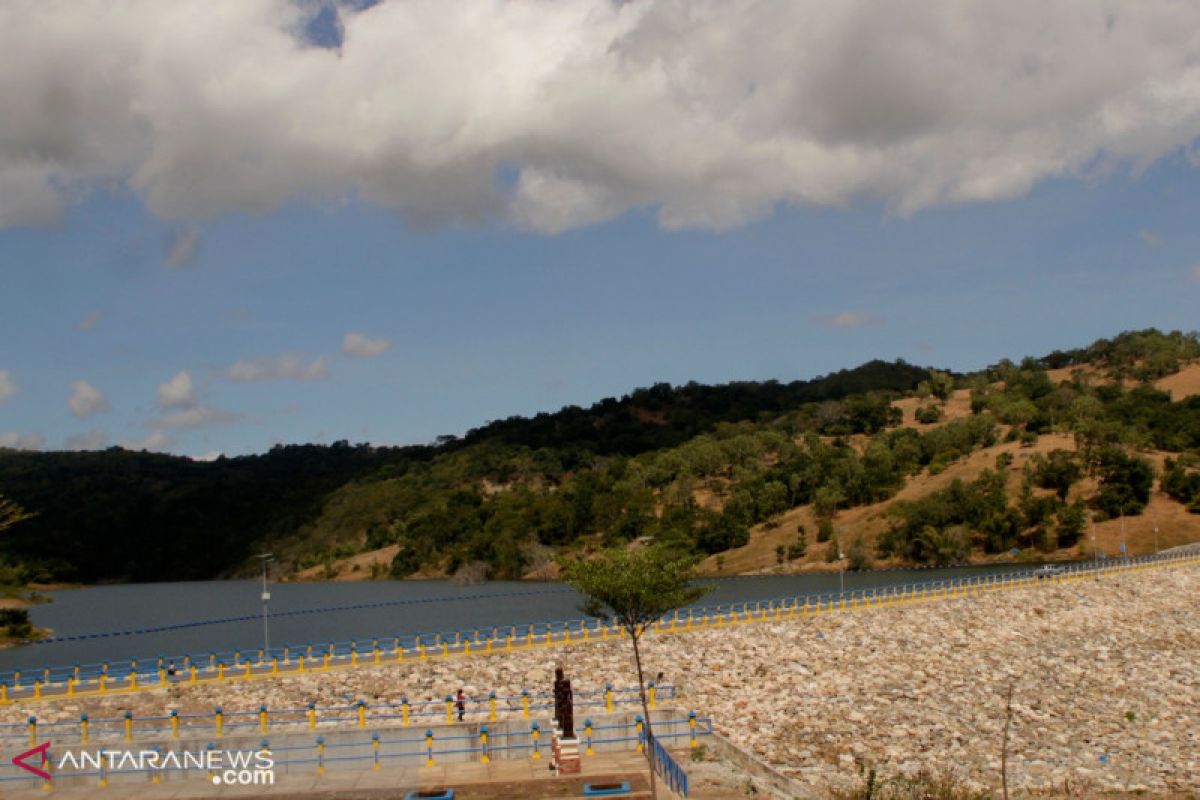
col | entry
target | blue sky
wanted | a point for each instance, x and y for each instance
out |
(490, 322)
(218, 232)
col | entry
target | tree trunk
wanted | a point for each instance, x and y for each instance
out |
(634, 634)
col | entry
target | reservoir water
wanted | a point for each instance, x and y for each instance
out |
(304, 613)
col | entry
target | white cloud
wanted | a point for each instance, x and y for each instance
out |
(711, 111)
(8, 386)
(848, 319)
(184, 246)
(22, 441)
(157, 440)
(177, 392)
(289, 366)
(195, 417)
(86, 400)
(357, 344)
(89, 322)
(1150, 238)
(92, 440)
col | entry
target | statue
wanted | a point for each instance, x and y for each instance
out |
(564, 704)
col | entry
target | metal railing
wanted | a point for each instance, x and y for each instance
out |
(384, 747)
(490, 707)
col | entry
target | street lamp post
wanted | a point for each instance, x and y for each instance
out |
(1124, 547)
(842, 571)
(1095, 548)
(266, 598)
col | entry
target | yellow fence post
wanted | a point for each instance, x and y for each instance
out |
(129, 726)
(608, 697)
(483, 744)
(449, 709)
(587, 729)
(404, 711)
(312, 715)
(220, 721)
(641, 743)
(83, 728)
(429, 746)
(262, 718)
(32, 731)
(535, 731)
(375, 751)
(3, 694)
(362, 713)
(492, 706)
(525, 703)
(692, 728)
(650, 694)
(174, 724)
(320, 755)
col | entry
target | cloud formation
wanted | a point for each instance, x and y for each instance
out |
(848, 319)
(157, 440)
(1150, 238)
(195, 417)
(360, 346)
(177, 392)
(287, 367)
(88, 322)
(8, 386)
(86, 400)
(553, 116)
(183, 249)
(22, 441)
(92, 440)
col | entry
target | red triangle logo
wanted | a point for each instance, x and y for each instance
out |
(40, 750)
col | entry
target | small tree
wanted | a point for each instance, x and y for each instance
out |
(858, 557)
(636, 588)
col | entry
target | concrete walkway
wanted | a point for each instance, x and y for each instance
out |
(516, 778)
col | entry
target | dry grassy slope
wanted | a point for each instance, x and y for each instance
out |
(958, 406)
(1182, 384)
(1176, 525)
(353, 568)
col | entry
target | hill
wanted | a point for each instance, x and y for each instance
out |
(117, 515)
(902, 464)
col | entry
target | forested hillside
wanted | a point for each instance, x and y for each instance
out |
(116, 515)
(1069, 438)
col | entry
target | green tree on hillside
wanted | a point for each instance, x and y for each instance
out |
(635, 587)
(11, 513)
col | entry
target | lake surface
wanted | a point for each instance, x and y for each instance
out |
(320, 612)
